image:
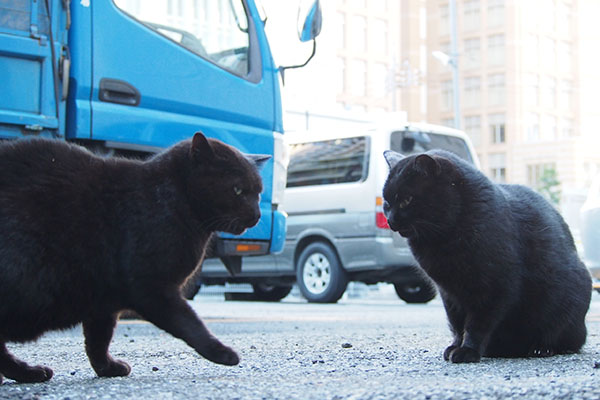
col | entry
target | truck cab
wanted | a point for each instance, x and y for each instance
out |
(129, 77)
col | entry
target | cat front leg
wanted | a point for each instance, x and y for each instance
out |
(478, 328)
(456, 321)
(170, 312)
(98, 332)
(19, 371)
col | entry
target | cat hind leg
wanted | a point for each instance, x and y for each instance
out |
(19, 371)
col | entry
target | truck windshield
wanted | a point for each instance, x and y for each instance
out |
(412, 142)
(216, 30)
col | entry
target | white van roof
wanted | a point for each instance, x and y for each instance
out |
(369, 130)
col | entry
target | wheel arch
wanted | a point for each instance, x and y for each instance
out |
(313, 237)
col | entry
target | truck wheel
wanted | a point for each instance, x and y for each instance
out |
(415, 292)
(264, 292)
(319, 273)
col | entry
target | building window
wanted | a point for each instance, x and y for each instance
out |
(548, 52)
(472, 12)
(472, 57)
(380, 6)
(533, 127)
(449, 122)
(496, 89)
(495, 13)
(358, 36)
(379, 36)
(531, 52)
(549, 128)
(497, 126)
(473, 128)
(549, 92)
(496, 50)
(359, 78)
(497, 167)
(535, 173)
(548, 17)
(472, 91)
(446, 95)
(564, 22)
(378, 80)
(444, 20)
(567, 128)
(565, 55)
(532, 90)
(566, 95)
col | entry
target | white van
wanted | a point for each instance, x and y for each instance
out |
(336, 230)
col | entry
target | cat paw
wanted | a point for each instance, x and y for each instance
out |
(448, 351)
(35, 374)
(113, 368)
(220, 354)
(464, 355)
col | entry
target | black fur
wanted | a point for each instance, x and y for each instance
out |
(83, 238)
(502, 257)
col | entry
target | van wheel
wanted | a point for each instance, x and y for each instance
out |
(319, 273)
(264, 292)
(415, 292)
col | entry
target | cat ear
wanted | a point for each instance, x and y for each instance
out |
(201, 149)
(427, 165)
(392, 157)
(258, 159)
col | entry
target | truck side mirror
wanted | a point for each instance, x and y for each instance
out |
(311, 27)
(309, 30)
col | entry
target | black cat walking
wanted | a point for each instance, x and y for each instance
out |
(84, 237)
(501, 256)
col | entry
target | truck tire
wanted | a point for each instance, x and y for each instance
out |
(319, 273)
(264, 292)
(416, 292)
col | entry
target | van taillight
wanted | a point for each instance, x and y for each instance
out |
(380, 219)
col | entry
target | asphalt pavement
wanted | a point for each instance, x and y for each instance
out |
(368, 348)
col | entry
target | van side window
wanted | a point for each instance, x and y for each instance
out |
(412, 142)
(328, 161)
(216, 30)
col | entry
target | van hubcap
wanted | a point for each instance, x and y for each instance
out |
(317, 273)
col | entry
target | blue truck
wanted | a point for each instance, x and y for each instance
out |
(126, 77)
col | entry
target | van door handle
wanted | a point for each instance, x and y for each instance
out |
(119, 92)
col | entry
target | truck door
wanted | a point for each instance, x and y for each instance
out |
(163, 70)
(29, 79)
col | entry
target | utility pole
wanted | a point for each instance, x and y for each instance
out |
(454, 63)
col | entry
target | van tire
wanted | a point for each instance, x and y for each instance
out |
(417, 292)
(264, 292)
(319, 273)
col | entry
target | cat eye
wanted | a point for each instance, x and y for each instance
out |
(405, 202)
(237, 190)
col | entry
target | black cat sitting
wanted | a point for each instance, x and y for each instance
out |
(503, 259)
(84, 237)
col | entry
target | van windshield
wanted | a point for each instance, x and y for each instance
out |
(328, 161)
(411, 142)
